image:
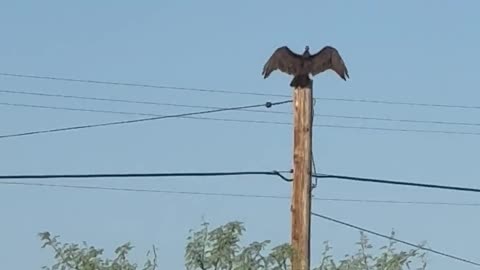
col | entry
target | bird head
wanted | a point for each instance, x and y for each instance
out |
(306, 52)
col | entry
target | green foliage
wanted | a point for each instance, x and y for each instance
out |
(75, 257)
(388, 259)
(220, 249)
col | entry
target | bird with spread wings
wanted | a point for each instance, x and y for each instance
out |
(300, 66)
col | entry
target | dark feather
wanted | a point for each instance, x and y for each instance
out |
(285, 60)
(327, 58)
(300, 66)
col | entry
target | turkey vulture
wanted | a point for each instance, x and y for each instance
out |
(300, 66)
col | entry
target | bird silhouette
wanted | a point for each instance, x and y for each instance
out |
(300, 66)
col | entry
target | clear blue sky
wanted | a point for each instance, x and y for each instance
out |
(408, 51)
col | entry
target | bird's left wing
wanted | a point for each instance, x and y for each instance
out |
(328, 58)
(283, 59)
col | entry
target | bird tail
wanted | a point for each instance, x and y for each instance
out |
(300, 81)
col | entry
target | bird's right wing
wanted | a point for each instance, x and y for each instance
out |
(283, 59)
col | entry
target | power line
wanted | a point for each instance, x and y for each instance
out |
(75, 109)
(142, 85)
(91, 110)
(385, 119)
(129, 101)
(145, 190)
(397, 202)
(399, 129)
(392, 182)
(145, 175)
(396, 239)
(204, 174)
(251, 121)
(139, 113)
(403, 103)
(268, 105)
(230, 92)
(166, 191)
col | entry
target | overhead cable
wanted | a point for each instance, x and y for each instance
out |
(228, 92)
(221, 194)
(142, 85)
(268, 105)
(407, 130)
(392, 182)
(384, 119)
(144, 175)
(397, 240)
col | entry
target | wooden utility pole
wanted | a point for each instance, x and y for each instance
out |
(302, 162)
